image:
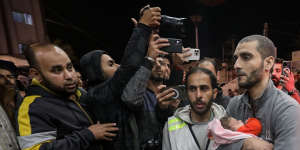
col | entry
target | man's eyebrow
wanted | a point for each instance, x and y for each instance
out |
(56, 66)
(245, 53)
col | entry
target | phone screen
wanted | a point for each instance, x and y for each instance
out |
(285, 64)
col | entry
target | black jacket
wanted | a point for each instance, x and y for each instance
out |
(48, 121)
(105, 98)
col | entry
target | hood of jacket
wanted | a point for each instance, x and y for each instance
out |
(183, 113)
(90, 66)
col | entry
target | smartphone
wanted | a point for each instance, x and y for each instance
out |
(179, 91)
(195, 54)
(175, 46)
(285, 64)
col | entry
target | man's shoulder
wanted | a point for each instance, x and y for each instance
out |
(283, 102)
(234, 101)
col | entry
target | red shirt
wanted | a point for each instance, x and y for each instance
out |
(252, 126)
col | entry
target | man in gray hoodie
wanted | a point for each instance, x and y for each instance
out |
(278, 112)
(187, 129)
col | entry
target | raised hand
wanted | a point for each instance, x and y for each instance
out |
(155, 43)
(150, 16)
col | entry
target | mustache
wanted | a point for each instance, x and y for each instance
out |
(70, 83)
(240, 73)
(274, 78)
(199, 101)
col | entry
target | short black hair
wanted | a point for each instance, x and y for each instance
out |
(213, 79)
(211, 60)
(10, 66)
(30, 56)
(265, 46)
(278, 61)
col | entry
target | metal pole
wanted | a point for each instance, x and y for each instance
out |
(196, 35)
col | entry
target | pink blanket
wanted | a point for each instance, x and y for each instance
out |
(224, 136)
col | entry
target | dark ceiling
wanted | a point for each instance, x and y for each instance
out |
(88, 25)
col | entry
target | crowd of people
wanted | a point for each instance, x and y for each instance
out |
(152, 100)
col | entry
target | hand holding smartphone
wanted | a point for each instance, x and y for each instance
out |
(175, 46)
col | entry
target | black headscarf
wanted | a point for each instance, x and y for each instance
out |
(90, 66)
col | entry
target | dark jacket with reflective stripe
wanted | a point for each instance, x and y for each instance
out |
(46, 121)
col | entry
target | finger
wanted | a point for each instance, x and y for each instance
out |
(283, 77)
(161, 87)
(110, 134)
(109, 124)
(286, 78)
(155, 37)
(164, 93)
(167, 97)
(162, 52)
(162, 40)
(282, 80)
(155, 13)
(184, 50)
(161, 45)
(156, 23)
(112, 129)
(287, 72)
(291, 74)
(157, 9)
(175, 102)
(156, 18)
(134, 22)
(184, 55)
(107, 139)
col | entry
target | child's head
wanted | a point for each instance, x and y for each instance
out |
(231, 123)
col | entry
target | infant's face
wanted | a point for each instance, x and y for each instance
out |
(235, 124)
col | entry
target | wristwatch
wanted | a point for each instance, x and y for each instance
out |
(292, 92)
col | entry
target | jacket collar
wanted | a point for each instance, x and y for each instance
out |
(183, 113)
(37, 88)
(269, 91)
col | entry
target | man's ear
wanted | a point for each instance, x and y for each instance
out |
(34, 73)
(215, 92)
(269, 62)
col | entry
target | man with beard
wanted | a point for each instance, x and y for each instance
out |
(50, 116)
(147, 120)
(188, 128)
(144, 88)
(8, 96)
(211, 65)
(8, 87)
(278, 112)
(286, 82)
